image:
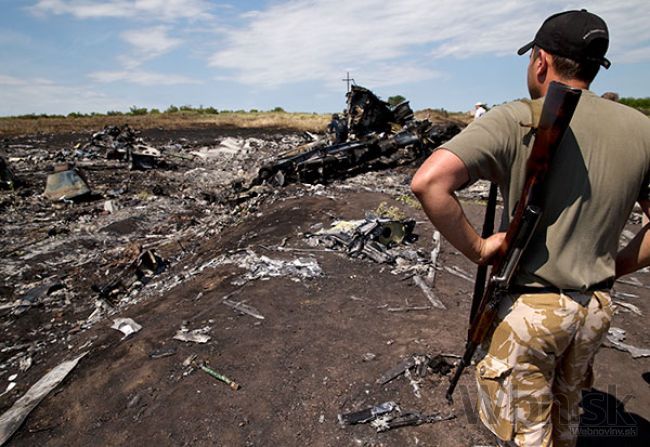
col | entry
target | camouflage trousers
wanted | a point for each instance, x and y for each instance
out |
(538, 361)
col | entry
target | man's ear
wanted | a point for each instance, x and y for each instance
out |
(542, 64)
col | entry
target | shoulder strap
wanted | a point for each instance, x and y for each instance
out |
(535, 112)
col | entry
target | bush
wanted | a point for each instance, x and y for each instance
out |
(114, 113)
(33, 116)
(278, 110)
(640, 103)
(394, 100)
(171, 109)
(154, 111)
(137, 110)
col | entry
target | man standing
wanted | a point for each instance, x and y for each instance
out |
(479, 110)
(539, 356)
(337, 130)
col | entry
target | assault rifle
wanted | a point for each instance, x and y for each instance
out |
(557, 111)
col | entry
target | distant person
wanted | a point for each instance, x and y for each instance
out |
(337, 130)
(556, 313)
(479, 110)
(612, 96)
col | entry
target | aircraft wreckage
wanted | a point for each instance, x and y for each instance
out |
(370, 135)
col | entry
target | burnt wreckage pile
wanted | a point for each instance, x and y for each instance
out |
(376, 136)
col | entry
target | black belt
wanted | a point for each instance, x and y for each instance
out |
(603, 285)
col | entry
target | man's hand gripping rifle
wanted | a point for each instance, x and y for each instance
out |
(557, 111)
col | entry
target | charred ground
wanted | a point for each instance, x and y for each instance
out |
(303, 364)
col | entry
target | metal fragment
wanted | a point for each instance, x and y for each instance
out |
(14, 417)
(243, 308)
(615, 337)
(367, 414)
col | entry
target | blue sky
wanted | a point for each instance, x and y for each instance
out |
(61, 56)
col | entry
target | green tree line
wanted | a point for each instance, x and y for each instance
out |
(139, 111)
(638, 103)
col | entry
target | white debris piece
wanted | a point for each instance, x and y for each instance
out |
(24, 363)
(434, 300)
(10, 387)
(431, 277)
(194, 336)
(615, 337)
(262, 267)
(109, 206)
(14, 417)
(456, 271)
(243, 308)
(126, 326)
(629, 307)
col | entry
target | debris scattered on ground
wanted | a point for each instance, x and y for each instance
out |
(414, 382)
(367, 414)
(428, 292)
(632, 281)
(136, 273)
(14, 417)
(7, 177)
(121, 143)
(457, 271)
(24, 363)
(420, 364)
(615, 337)
(388, 421)
(232, 384)
(66, 183)
(162, 352)
(389, 415)
(370, 238)
(194, 336)
(629, 307)
(126, 326)
(10, 387)
(243, 308)
(189, 217)
(263, 267)
(36, 296)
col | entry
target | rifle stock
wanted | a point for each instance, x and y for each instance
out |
(559, 106)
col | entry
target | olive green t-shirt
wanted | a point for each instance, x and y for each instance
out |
(600, 169)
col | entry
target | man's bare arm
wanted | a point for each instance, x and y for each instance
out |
(434, 184)
(636, 254)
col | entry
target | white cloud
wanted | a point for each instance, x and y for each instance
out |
(38, 95)
(141, 78)
(634, 56)
(316, 39)
(151, 40)
(168, 10)
(148, 43)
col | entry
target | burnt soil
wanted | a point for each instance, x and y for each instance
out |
(299, 367)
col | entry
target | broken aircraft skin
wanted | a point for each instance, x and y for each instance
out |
(7, 176)
(121, 143)
(380, 137)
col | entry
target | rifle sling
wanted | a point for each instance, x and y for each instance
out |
(481, 272)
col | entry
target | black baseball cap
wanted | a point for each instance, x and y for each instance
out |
(578, 35)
